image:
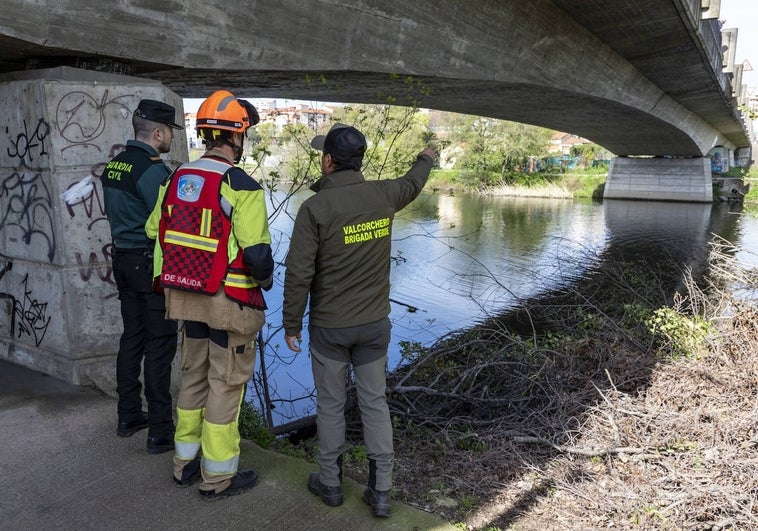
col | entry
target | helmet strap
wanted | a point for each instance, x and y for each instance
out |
(237, 149)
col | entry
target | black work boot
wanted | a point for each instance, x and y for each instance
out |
(379, 500)
(161, 444)
(190, 473)
(127, 428)
(331, 496)
(242, 481)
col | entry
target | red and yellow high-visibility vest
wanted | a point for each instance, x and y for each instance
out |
(194, 234)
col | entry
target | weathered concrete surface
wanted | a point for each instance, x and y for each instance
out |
(63, 467)
(660, 179)
(639, 77)
(60, 312)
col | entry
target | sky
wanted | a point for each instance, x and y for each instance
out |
(743, 15)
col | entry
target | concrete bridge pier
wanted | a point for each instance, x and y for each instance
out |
(59, 310)
(661, 179)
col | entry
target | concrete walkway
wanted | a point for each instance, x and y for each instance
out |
(62, 467)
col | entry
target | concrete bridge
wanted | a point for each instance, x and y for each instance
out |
(638, 77)
(642, 78)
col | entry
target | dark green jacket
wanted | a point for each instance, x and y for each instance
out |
(341, 246)
(130, 189)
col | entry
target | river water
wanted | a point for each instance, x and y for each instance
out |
(458, 258)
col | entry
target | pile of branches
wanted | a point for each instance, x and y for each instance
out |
(572, 414)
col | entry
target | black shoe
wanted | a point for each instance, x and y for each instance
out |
(159, 445)
(379, 500)
(242, 481)
(190, 473)
(332, 496)
(127, 428)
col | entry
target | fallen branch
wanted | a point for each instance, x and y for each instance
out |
(295, 425)
(579, 451)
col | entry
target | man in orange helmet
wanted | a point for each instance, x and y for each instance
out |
(213, 259)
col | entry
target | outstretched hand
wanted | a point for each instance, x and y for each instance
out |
(431, 151)
(293, 342)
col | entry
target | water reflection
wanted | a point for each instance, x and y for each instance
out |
(479, 255)
(458, 259)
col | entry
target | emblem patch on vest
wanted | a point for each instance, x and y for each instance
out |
(189, 188)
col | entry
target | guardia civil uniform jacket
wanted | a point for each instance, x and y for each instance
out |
(130, 183)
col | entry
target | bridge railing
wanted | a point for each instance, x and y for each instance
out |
(710, 29)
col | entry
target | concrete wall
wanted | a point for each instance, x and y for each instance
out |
(660, 179)
(59, 311)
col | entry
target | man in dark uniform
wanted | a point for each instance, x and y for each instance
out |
(339, 258)
(130, 189)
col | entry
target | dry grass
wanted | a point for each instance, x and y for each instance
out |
(552, 191)
(586, 421)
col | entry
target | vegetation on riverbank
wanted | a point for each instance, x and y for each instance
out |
(575, 184)
(625, 401)
(621, 402)
(578, 183)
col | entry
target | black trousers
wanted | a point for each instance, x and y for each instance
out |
(147, 336)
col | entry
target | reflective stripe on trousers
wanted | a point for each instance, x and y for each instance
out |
(220, 442)
(188, 430)
(216, 366)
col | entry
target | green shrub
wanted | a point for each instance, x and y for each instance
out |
(252, 427)
(679, 334)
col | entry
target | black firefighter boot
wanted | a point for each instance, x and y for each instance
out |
(379, 500)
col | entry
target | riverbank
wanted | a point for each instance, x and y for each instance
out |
(622, 401)
(576, 184)
(536, 377)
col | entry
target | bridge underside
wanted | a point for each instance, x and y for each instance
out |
(613, 71)
(620, 129)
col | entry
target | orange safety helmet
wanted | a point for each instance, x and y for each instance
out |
(221, 110)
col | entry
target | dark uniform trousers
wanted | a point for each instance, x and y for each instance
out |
(147, 335)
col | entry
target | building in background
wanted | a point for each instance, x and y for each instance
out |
(561, 143)
(271, 111)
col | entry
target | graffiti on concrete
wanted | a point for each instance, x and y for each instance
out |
(29, 316)
(81, 119)
(25, 144)
(86, 195)
(24, 194)
(100, 265)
